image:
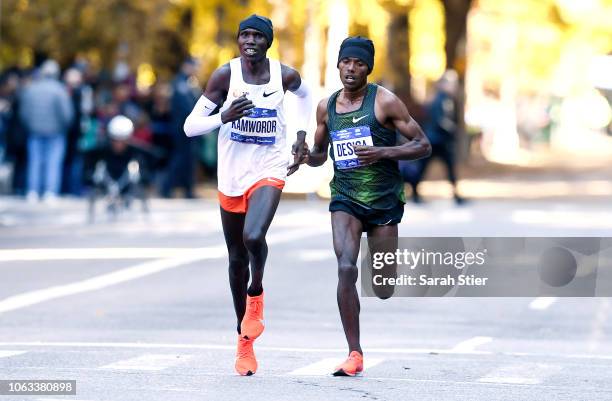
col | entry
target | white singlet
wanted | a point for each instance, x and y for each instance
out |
(253, 147)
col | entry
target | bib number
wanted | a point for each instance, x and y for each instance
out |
(258, 128)
(343, 146)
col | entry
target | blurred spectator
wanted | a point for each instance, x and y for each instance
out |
(13, 135)
(208, 154)
(117, 170)
(116, 153)
(46, 112)
(142, 129)
(49, 121)
(159, 110)
(7, 94)
(441, 128)
(124, 103)
(182, 160)
(82, 103)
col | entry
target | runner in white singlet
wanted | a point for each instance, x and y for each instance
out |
(244, 99)
(257, 140)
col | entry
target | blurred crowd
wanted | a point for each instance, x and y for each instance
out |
(54, 127)
(51, 120)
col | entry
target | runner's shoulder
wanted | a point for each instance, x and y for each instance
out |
(388, 104)
(291, 78)
(385, 97)
(223, 73)
(322, 108)
(323, 102)
(218, 84)
(289, 71)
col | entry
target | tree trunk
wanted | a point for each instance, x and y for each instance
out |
(398, 53)
(455, 13)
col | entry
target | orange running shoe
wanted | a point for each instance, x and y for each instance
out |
(252, 324)
(246, 364)
(351, 367)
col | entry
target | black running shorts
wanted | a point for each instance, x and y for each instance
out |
(369, 217)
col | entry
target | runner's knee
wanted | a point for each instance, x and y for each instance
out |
(347, 271)
(254, 241)
(238, 264)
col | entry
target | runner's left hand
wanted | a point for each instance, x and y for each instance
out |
(368, 154)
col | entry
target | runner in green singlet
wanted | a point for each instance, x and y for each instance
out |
(360, 123)
(377, 186)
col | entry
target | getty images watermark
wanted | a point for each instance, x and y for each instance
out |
(486, 267)
(413, 259)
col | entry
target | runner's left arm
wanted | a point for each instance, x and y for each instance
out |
(394, 114)
(293, 83)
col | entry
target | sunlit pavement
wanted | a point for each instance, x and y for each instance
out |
(138, 308)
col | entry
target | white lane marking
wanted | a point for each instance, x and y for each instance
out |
(315, 255)
(232, 348)
(57, 399)
(178, 225)
(149, 362)
(542, 303)
(301, 218)
(326, 366)
(564, 219)
(42, 254)
(294, 235)
(104, 280)
(405, 380)
(8, 221)
(319, 368)
(138, 271)
(76, 344)
(6, 354)
(49, 254)
(585, 356)
(456, 216)
(597, 327)
(378, 379)
(471, 344)
(526, 373)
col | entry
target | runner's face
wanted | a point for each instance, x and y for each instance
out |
(253, 44)
(353, 72)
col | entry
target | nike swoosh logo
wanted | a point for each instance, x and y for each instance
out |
(356, 120)
(268, 94)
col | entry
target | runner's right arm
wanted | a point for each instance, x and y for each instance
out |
(202, 120)
(318, 154)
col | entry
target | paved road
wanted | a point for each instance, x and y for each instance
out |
(139, 309)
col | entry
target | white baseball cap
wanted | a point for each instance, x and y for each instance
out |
(120, 128)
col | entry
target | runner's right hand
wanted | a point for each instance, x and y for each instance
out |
(301, 154)
(238, 109)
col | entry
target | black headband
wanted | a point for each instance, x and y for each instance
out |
(259, 23)
(358, 47)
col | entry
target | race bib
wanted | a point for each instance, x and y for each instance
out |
(258, 128)
(343, 145)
